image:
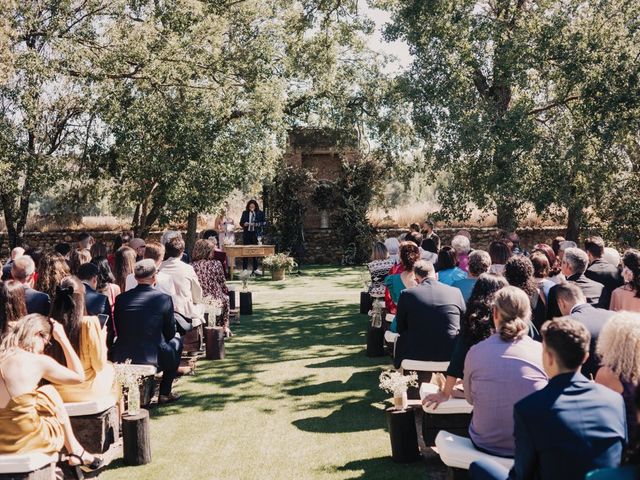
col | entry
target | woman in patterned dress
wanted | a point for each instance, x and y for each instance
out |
(211, 277)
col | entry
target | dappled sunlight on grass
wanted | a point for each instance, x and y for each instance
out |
(295, 397)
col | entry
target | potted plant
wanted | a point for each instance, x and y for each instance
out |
(394, 382)
(278, 265)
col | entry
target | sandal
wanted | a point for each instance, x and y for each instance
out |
(96, 463)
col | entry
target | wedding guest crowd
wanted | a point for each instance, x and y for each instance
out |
(534, 343)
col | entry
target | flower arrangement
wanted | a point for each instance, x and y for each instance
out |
(365, 277)
(279, 261)
(392, 381)
(244, 276)
(128, 380)
(213, 307)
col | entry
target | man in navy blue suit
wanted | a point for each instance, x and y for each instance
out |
(571, 426)
(146, 328)
(22, 270)
(95, 302)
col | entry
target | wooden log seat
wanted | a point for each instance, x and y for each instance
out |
(457, 453)
(454, 416)
(27, 466)
(96, 423)
(147, 382)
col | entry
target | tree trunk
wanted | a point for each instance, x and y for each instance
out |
(13, 233)
(507, 217)
(192, 227)
(574, 222)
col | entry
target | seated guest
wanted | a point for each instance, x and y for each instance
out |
(499, 253)
(12, 306)
(500, 371)
(571, 426)
(572, 303)
(416, 237)
(164, 283)
(393, 247)
(22, 271)
(619, 352)
(574, 264)
(479, 263)
(476, 325)
(554, 274)
(428, 318)
(146, 326)
(96, 303)
(138, 245)
(32, 418)
(168, 235)
(219, 254)
(601, 271)
(6, 269)
(77, 258)
(555, 244)
(98, 249)
(118, 242)
(106, 281)
(398, 282)
(125, 260)
(185, 281)
(379, 267)
(88, 339)
(429, 234)
(627, 297)
(519, 272)
(63, 249)
(211, 277)
(462, 246)
(563, 247)
(36, 254)
(541, 271)
(448, 270)
(612, 256)
(53, 268)
(85, 241)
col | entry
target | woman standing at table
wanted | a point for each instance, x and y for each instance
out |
(252, 222)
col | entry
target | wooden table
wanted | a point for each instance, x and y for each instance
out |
(246, 251)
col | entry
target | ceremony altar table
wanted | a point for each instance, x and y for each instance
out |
(246, 251)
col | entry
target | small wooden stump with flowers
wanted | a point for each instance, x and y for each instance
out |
(246, 300)
(214, 335)
(279, 265)
(400, 419)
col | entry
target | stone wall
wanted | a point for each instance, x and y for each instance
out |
(321, 244)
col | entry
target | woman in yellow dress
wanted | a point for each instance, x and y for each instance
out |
(32, 418)
(88, 339)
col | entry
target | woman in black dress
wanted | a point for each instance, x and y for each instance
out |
(252, 222)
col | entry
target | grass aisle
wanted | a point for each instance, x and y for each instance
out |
(295, 397)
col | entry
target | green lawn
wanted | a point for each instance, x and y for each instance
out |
(295, 397)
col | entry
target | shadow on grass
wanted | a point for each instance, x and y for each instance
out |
(383, 468)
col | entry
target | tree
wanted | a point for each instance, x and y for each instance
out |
(501, 91)
(47, 117)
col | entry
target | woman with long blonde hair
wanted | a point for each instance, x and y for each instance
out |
(33, 418)
(125, 260)
(619, 351)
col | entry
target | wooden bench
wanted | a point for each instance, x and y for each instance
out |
(424, 369)
(96, 423)
(458, 453)
(454, 416)
(27, 466)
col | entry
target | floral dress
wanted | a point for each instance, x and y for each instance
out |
(211, 277)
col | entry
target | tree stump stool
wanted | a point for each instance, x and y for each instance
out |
(214, 343)
(375, 341)
(232, 299)
(402, 432)
(136, 443)
(366, 302)
(246, 303)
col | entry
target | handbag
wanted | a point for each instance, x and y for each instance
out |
(183, 324)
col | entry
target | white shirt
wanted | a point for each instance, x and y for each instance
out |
(188, 290)
(164, 283)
